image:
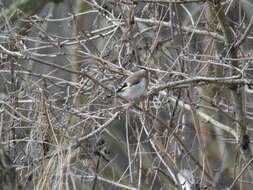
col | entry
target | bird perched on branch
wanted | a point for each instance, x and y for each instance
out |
(134, 86)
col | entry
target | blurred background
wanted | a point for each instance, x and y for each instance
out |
(63, 127)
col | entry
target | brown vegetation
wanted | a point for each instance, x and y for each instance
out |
(63, 127)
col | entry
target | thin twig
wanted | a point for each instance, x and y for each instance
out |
(80, 140)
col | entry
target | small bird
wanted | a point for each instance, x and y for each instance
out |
(134, 86)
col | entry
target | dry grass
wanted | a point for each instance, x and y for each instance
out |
(62, 127)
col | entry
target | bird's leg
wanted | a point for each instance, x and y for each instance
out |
(139, 103)
(142, 105)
